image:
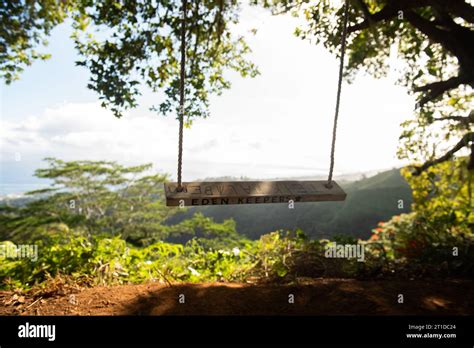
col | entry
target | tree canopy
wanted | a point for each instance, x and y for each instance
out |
(128, 45)
(25, 25)
(97, 196)
(433, 39)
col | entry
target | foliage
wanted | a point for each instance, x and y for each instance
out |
(444, 193)
(444, 205)
(274, 251)
(438, 236)
(96, 196)
(111, 260)
(101, 259)
(25, 24)
(418, 246)
(211, 234)
(131, 45)
(401, 247)
(138, 42)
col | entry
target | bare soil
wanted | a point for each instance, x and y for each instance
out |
(311, 297)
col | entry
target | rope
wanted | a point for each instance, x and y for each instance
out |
(181, 95)
(339, 86)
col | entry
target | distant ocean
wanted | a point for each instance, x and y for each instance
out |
(13, 190)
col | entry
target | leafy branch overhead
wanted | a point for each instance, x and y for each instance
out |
(138, 41)
(131, 45)
(433, 38)
(25, 25)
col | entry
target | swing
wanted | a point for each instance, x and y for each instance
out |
(253, 192)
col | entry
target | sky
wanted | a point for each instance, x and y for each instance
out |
(278, 124)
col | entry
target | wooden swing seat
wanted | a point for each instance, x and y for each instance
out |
(251, 192)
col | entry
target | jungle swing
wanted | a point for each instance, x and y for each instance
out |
(253, 192)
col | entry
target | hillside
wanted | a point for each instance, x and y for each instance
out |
(369, 201)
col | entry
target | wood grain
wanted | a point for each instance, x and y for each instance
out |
(251, 192)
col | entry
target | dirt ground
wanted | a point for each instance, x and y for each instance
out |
(311, 297)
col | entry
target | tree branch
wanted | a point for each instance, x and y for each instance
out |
(458, 8)
(470, 165)
(368, 18)
(429, 29)
(436, 89)
(456, 40)
(387, 12)
(466, 120)
(464, 142)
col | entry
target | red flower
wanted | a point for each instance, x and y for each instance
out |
(374, 237)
